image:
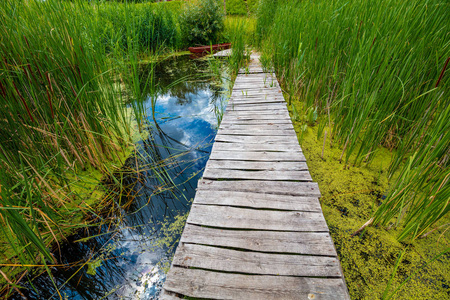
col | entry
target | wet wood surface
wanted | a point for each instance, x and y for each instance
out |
(256, 229)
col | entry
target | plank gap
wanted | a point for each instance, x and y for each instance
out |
(252, 229)
(259, 208)
(258, 251)
(257, 274)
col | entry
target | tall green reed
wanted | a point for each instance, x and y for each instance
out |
(241, 33)
(378, 69)
(63, 118)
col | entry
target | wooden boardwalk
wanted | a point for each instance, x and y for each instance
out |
(256, 228)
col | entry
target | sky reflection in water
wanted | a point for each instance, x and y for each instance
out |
(127, 264)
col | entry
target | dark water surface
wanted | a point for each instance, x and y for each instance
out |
(127, 261)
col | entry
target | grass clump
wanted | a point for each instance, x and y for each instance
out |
(240, 31)
(155, 25)
(350, 195)
(236, 7)
(64, 123)
(379, 72)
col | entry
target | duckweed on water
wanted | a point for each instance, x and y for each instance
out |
(350, 196)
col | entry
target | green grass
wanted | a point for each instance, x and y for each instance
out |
(236, 7)
(377, 70)
(240, 31)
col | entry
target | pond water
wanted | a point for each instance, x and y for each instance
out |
(127, 260)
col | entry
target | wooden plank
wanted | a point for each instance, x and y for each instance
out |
(255, 77)
(253, 121)
(256, 132)
(257, 94)
(164, 295)
(258, 115)
(244, 218)
(256, 139)
(258, 156)
(256, 107)
(256, 165)
(253, 101)
(217, 174)
(260, 89)
(256, 97)
(243, 76)
(240, 123)
(218, 146)
(275, 113)
(214, 285)
(232, 117)
(256, 85)
(244, 97)
(257, 200)
(269, 187)
(213, 258)
(279, 126)
(246, 106)
(310, 243)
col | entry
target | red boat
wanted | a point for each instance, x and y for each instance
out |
(207, 49)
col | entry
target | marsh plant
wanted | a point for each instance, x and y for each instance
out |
(63, 120)
(379, 72)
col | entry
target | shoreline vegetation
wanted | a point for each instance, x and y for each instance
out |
(367, 87)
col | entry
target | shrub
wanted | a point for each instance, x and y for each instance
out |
(202, 22)
(236, 7)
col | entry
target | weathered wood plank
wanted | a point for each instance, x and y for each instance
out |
(256, 89)
(250, 127)
(215, 285)
(245, 88)
(244, 218)
(259, 114)
(253, 121)
(255, 139)
(269, 187)
(256, 165)
(311, 243)
(257, 94)
(257, 200)
(164, 295)
(258, 156)
(213, 258)
(217, 174)
(255, 97)
(274, 113)
(218, 146)
(256, 132)
(250, 101)
(258, 127)
(255, 108)
(255, 77)
(252, 85)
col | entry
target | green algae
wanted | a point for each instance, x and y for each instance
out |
(350, 195)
